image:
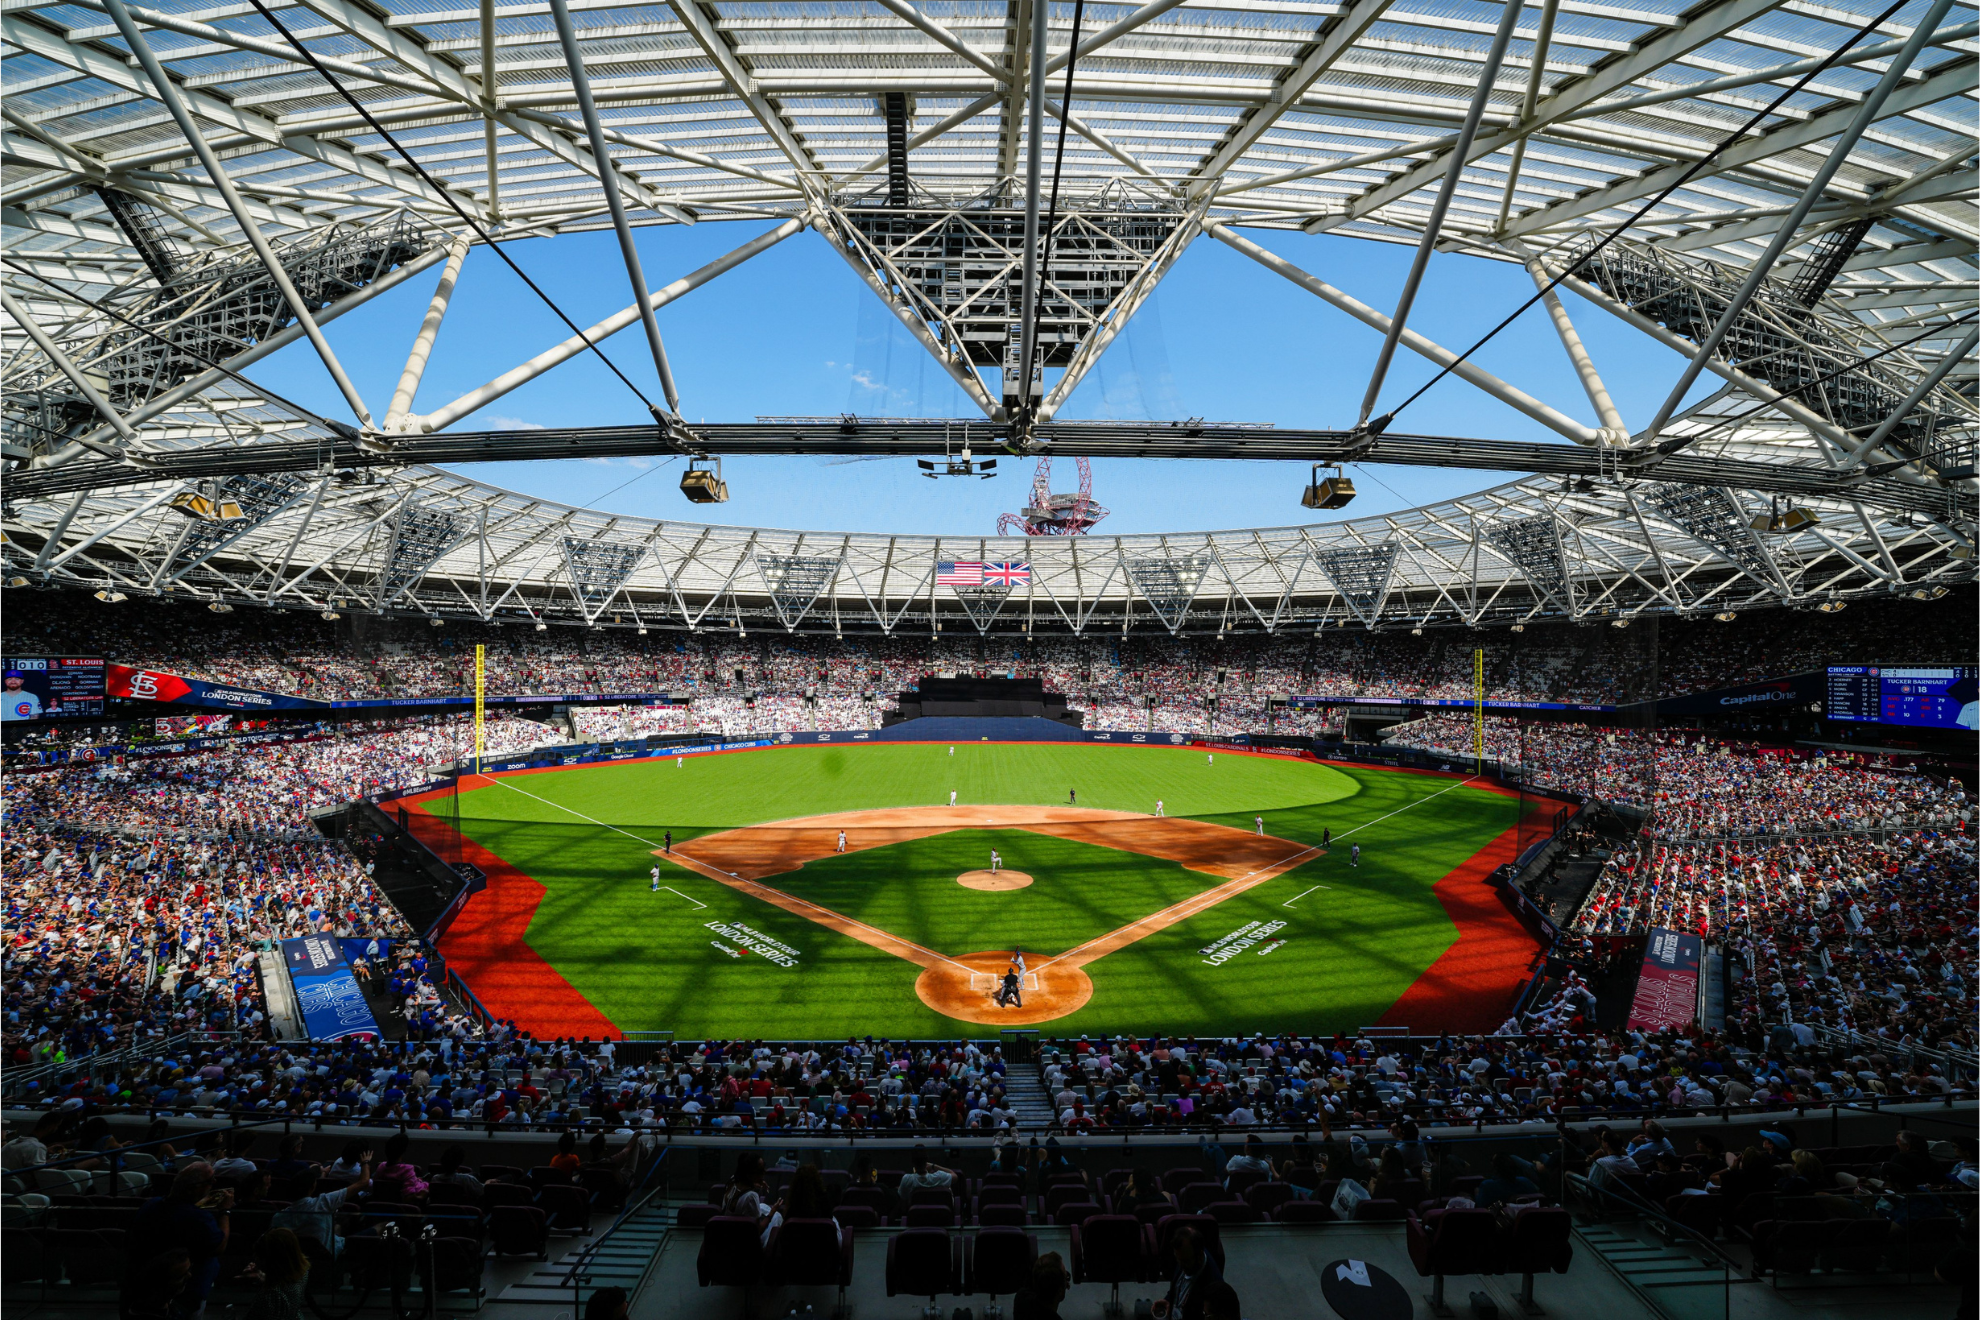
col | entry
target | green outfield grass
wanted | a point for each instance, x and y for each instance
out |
(649, 961)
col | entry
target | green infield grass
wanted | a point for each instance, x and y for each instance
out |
(1347, 942)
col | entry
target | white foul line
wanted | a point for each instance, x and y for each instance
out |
(1296, 897)
(697, 902)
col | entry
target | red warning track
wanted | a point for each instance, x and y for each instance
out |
(1470, 988)
(488, 946)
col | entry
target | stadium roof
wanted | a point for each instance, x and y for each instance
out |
(1808, 143)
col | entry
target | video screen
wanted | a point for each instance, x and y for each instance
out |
(52, 687)
(1925, 698)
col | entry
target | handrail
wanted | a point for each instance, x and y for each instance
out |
(1585, 1183)
(635, 1203)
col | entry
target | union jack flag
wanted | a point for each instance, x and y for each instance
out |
(975, 573)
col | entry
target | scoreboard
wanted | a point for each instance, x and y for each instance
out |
(1941, 697)
(52, 687)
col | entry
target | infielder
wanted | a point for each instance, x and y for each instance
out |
(842, 841)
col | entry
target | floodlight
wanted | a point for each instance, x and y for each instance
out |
(110, 597)
(642, 630)
(437, 623)
(203, 507)
(1832, 607)
(1334, 492)
(1519, 627)
(1725, 616)
(1923, 593)
(541, 626)
(1415, 632)
(17, 582)
(1619, 623)
(221, 607)
(704, 485)
(331, 616)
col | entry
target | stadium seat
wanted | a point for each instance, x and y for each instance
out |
(1111, 1249)
(812, 1253)
(694, 1214)
(1539, 1241)
(1003, 1216)
(519, 1230)
(1076, 1212)
(856, 1216)
(731, 1254)
(929, 1216)
(1231, 1212)
(567, 1208)
(1000, 1261)
(924, 1262)
(1194, 1196)
(497, 1194)
(1266, 1198)
(1306, 1212)
(1452, 1242)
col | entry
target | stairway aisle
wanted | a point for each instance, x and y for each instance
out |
(1026, 1093)
(619, 1263)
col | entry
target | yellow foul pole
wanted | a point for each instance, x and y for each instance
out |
(480, 676)
(1478, 707)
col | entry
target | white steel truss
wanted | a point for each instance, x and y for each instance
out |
(133, 263)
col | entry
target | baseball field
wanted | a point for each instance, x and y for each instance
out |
(1148, 889)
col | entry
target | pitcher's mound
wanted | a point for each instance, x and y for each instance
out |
(993, 880)
(964, 987)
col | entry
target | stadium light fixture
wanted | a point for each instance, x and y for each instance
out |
(111, 597)
(1832, 607)
(1725, 616)
(541, 626)
(1619, 623)
(331, 616)
(17, 582)
(220, 607)
(1415, 632)
(1923, 593)
(1519, 627)
(1335, 492)
(437, 623)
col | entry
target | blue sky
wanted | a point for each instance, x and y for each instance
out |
(793, 331)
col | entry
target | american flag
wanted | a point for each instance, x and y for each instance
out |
(975, 573)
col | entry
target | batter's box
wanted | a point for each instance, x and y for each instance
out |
(991, 982)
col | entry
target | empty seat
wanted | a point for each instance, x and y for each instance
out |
(1194, 1196)
(731, 1254)
(1231, 1212)
(1268, 1197)
(518, 1230)
(567, 1208)
(924, 1262)
(812, 1252)
(1077, 1212)
(856, 1216)
(929, 1216)
(1306, 1212)
(1000, 1260)
(1452, 1242)
(1540, 1241)
(1111, 1249)
(1002, 1216)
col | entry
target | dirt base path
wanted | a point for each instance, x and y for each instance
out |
(961, 986)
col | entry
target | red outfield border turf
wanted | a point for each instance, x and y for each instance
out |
(487, 944)
(1471, 986)
(1469, 989)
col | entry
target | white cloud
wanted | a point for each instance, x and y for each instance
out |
(511, 424)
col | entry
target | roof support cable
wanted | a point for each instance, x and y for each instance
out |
(1037, 310)
(448, 197)
(1785, 235)
(1595, 250)
(608, 179)
(1460, 157)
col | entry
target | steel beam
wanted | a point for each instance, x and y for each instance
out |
(446, 415)
(168, 92)
(422, 346)
(1789, 231)
(608, 176)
